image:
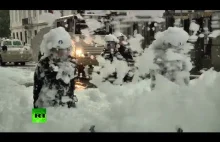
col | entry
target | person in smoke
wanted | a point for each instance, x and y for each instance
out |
(113, 66)
(170, 73)
(126, 52)
(111, 53)
(170, 56)
(81, 71)
(54, 74)
(111, 49)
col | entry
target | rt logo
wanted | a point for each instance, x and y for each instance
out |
(60, 42)
(39, 115)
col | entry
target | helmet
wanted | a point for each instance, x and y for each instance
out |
(60, 39)
(111, 38)
(57, 41)
(120, 35)
(111, 42)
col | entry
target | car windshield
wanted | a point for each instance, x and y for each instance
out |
(7, 43)
(16, 43)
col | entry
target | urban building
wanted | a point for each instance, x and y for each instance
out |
(25, 24)
(206, 52)
(144, 22)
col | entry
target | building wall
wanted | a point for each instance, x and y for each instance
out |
(18, 31)
(16, 17)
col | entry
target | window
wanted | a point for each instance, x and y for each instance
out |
(34, 13)
(25, 36)
(35, 32)
(30, 35)
(17, 35)
(13, 35)
(21, 36)
(7, 43)
(17, 43)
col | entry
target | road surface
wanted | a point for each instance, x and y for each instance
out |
(29, 66)
(80, 84)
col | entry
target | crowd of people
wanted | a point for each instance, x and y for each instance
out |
(55, 72)
(49, 90)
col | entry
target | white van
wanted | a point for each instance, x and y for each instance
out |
(13, 50)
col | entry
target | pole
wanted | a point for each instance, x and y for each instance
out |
(181, 11)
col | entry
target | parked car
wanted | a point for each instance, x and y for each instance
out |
(13, 50)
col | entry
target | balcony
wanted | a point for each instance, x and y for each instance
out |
(27, 23)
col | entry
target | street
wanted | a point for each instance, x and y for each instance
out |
(80, 84)
(29, 66)
(120, 108)
(140, 80)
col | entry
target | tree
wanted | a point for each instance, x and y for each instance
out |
(4, 23)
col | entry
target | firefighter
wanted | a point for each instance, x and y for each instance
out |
(54, 74)
(111, 53)
(81, 69)
(111, 49)
(123, 49)
(126, 52)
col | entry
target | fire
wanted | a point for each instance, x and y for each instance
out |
(79, 86)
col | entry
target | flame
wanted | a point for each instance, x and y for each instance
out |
(79, 86)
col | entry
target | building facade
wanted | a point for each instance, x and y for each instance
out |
(206, 52)
(25, 24)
